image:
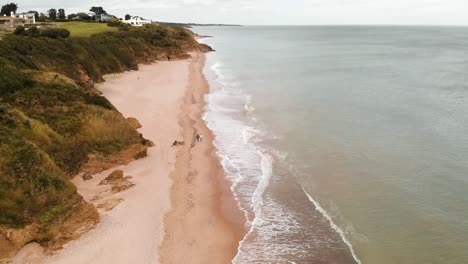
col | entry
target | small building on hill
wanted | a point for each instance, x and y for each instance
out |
(17, 19)
(105, 17)
(91, 14)
(137, 21)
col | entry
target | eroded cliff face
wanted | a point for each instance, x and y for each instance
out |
(54, 125)
(53, 234)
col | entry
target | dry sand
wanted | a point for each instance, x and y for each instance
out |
(180, 193)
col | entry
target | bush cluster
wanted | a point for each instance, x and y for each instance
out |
(117, 23)
(55, 33)
(11, 79)
(47, 32)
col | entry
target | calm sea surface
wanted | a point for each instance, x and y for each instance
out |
(345, 144)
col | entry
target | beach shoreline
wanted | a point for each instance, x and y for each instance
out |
(181, 206)
(205, 224)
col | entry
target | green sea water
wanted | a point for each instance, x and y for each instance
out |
(370, 122)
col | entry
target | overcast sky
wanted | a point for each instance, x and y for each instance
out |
(275, 12)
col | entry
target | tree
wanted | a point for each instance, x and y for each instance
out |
(61, 13)
(127, 17)
(43, 17)
(83, 16)
(7, 9)
(36, 14)
(98, 10)
(52, 13)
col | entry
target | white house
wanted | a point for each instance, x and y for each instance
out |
(30, 17)
(17, 19)
(137, 21)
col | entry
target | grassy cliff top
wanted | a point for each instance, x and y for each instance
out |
(84, 29)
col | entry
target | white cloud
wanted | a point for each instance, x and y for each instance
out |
(275, 11)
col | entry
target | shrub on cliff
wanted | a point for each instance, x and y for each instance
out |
(11, 79)
(55, 33)
(20, 30)
(30, 182)
(117, 23)
(47, 32)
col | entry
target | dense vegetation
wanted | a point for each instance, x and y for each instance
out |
(52, 117)
(46, 32)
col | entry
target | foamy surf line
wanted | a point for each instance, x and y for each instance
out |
(231, 169)
(333, 225)
(257, 198)
(247, 165)
(233, 164)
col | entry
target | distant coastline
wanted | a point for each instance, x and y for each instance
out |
(190, 25)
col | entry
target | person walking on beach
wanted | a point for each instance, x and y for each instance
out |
(198, 138)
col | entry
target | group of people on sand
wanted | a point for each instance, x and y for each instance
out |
(198, 138)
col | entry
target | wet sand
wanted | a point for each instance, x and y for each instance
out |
(204, 224)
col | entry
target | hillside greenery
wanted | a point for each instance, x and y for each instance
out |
(52, 117)
(83, 29)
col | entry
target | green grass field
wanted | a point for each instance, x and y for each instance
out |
(83, 29)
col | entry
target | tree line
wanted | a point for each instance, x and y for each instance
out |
(54, 14)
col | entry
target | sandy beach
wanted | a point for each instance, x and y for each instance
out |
(204, 224)
(180, 195)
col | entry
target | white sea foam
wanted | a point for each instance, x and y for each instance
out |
(333, 225)
(238, 156)
(257, 199)
(215, 67)
(249, 133)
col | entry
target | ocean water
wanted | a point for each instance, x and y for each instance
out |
(344, 144)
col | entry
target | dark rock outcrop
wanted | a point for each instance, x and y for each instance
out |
(118, 182)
